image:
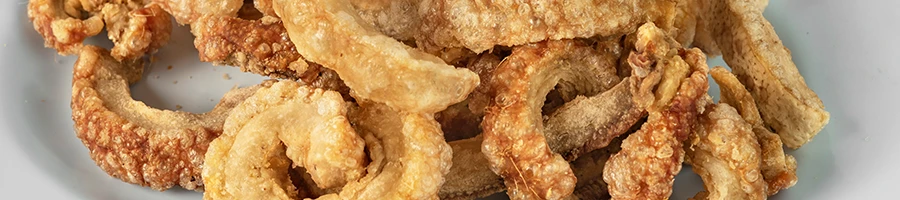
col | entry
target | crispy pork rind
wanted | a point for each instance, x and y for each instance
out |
(132, 141)
(373, 65)
(514, 139)
(134, 27)
(778, 169)
(226, 35)
(481, 25)
(282, 123)
(650, 158)
(725, 153)
(409, 161)
(189, 11)
(763, 64)
(471, 176)
(257, 46)
(408, 154)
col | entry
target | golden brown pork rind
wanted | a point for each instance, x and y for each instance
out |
(778, 169)
(136, 31)
(256, 46)
(480, 26)
(725, 153)
(761, 62)
(132, 141)
(224, 37)
(514, 140)
(134, 27)
(61, 30)
(650, 158)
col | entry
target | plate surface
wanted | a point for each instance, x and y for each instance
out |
(846, 50)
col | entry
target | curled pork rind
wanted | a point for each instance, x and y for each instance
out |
(132, 141)
(514, 141)
(407, 152)
(650, 158)
(374, 66)
(410, 163)
(724, 151)
(284, 122)
(134, 27)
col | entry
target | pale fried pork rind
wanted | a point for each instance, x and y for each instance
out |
(724, 151)
(479, 25)
(135, 28)
(409, 161)
(395, 18)
(514, 139)
(761, 62)
(408, 154)
(188, 11)
(285, 121)
(470, 176)
(374, 66)
(650, 158)
(588, 123)
(778, 169)
(132, 141)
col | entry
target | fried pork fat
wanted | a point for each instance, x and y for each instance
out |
(135, 28)
(650, 158)
(132, 141)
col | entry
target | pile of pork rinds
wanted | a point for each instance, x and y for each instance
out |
(450, 99)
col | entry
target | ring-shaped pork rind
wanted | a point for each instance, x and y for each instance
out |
(514, 139)
(284, 122)
(132, 141)
(408, 154)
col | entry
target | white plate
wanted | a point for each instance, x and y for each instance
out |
(847, 50)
